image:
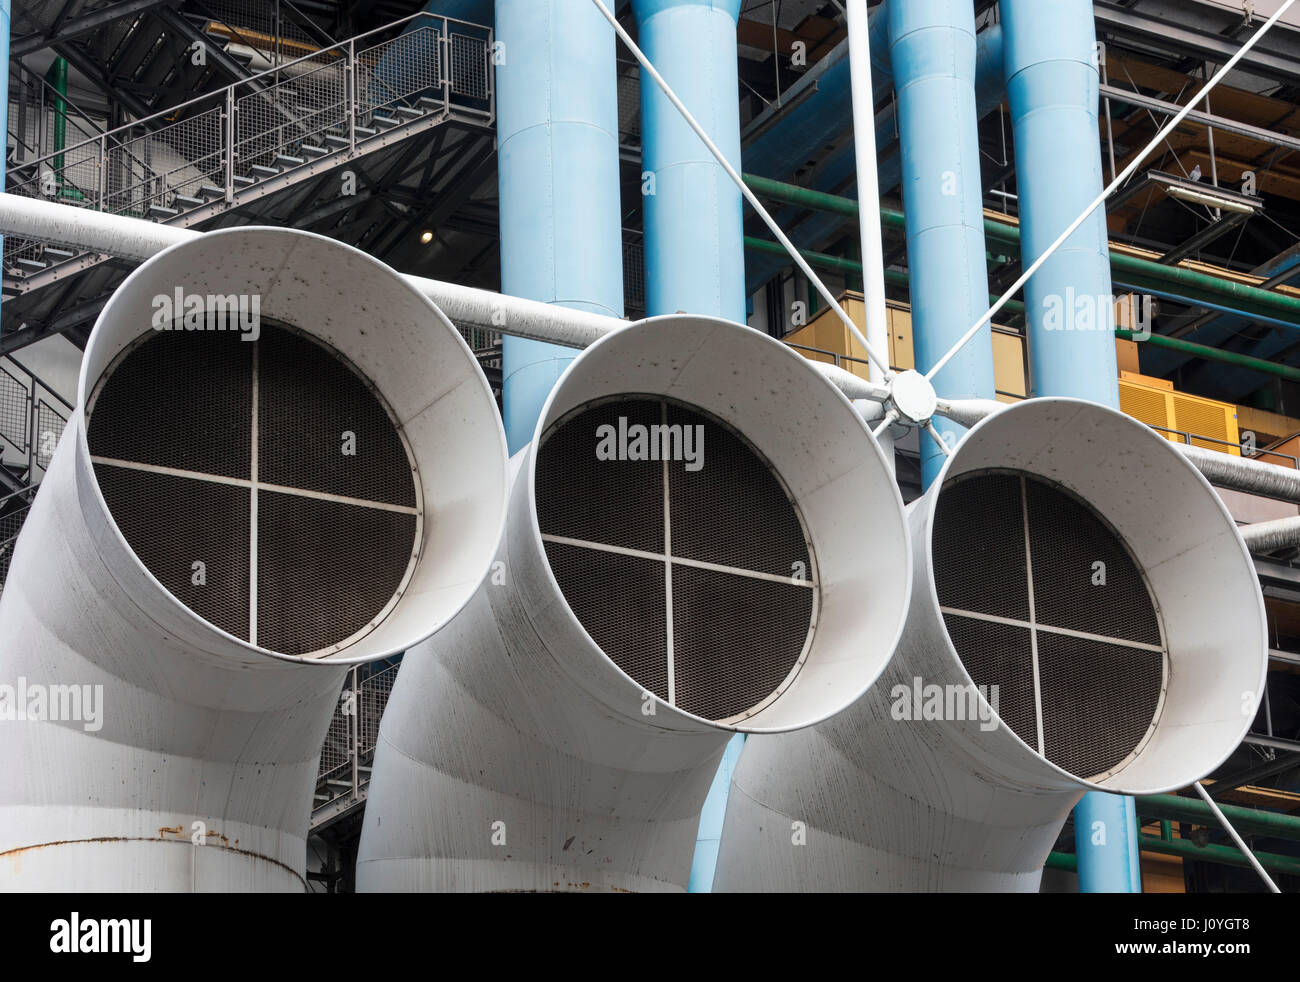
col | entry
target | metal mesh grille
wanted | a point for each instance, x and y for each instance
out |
(635, 635)
(304, 420)
(1098, 700)
(1082, 613)
(183, 399)
(172, 523)
(614, 502)
(15, 400)
(743, 584)
(735, 639)
(325, 570)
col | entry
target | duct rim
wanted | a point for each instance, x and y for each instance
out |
(813, 576)
(430, 384)
(1041, 437)
(417, 488)
(830, 467)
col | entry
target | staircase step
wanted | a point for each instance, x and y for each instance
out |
(426, 103)
(336, 139)
(210, 191)
(261, 170)
(31, 265)
(160, 211)
(243, 181)
(57, 254)
(408, 112)
(365, 131)
(383, 122)
(283, 160)
(311, 150)
(188, 201)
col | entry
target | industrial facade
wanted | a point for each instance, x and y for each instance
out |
(497, 446)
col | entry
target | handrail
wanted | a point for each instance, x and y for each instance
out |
(172, 111)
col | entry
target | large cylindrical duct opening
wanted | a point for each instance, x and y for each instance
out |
(284, 461)
(690, 540)
(1067, 633)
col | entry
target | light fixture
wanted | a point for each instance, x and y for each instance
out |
(1212, 200)
(426, 236)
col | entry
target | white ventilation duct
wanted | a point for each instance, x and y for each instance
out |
(1076, 560)
(562, 732)
(226, 526)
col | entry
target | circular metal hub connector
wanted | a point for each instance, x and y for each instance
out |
(912, 396)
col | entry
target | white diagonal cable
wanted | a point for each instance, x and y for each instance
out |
(813, 278)
(1223, 820)
(1119, 179)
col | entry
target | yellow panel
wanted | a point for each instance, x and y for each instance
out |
(1148, 380)
(1216, 421)
(902, 355)
(1009, 364)
(1148, 405)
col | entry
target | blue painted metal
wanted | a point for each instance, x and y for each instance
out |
(1053, 84)
(1106, 842)
(558, 181)
(694, 224)
(694, 220)
(836, 172)
(933, 50)
(711, 820)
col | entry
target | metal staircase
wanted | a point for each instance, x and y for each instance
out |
(195, 161)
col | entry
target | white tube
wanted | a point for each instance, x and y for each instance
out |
(873, 801)
(199, 772)
(515, 754)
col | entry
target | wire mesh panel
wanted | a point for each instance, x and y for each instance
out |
(679, 551)
(15, 409)
(171, 430)
(11, 524)
(400, 71)
(1043, 600)
(49, 430)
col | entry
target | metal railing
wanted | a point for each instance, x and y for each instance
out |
(13, 513)
(303, 110)
(353, 733)
(32, 418)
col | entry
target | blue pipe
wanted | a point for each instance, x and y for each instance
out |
(694, 224)
(933, 51)
(558, 182)
(694, 221)
(1053, 87)
(836, 173)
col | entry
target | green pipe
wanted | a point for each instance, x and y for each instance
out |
(1133, 272)
(58, 78)
(1166, 829)
(850, 267)
(1227, 855)
(1187, 849)
(1213, 354)
(1252, 820)
(1063, 860)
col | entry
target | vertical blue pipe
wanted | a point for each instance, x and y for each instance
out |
(933, 51)
(694, 253)
(1053, 83)
(694, 224)
(558, 181)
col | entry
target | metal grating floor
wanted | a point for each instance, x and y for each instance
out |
(1043, 599)
(688, 564)
(262, 482)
